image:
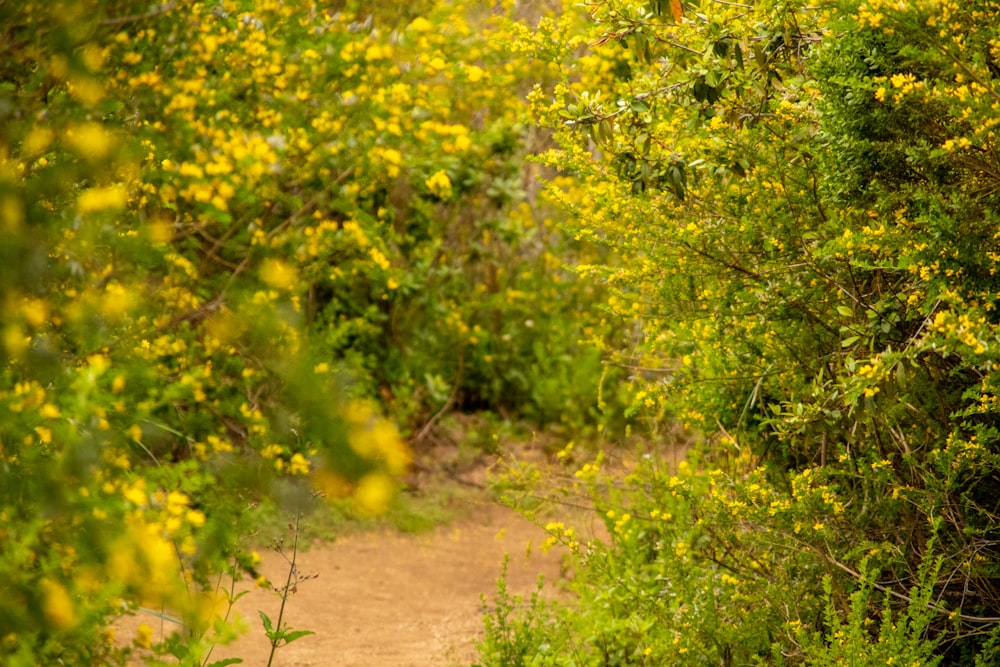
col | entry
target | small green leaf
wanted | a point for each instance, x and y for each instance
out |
(847, 342)
(643, 142)
(845, 311)
(267, 623)
(298, 634)
(606, 130)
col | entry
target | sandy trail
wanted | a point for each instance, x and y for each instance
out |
(387, 599)
(398, 600)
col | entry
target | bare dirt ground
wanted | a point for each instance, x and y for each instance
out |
(390, 599)
(395, 600)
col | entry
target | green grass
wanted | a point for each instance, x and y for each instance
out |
(324, 520)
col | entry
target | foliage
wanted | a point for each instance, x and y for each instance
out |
(695, 569)
(278, 633)
(235, 234)
(514, 630)
(899, 640)
(805, 200)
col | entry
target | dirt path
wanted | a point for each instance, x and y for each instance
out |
(395, 600)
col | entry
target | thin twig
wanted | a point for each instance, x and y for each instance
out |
(285, 591)
(132, 18)
(447, 404)
(906, 598)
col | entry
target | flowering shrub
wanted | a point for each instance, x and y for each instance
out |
(805, 198)
(235, 234)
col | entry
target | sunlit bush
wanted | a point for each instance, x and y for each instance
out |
(234, 235)
(805, 199)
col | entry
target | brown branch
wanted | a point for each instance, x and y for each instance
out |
(641, 369)
(906, 598)
(447, 404)
(132, 18)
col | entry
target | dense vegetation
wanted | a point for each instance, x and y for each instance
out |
(805, 195)
(250, 249)
(246, 247)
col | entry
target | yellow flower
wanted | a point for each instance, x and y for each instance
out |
(462, 143)
(91, 140)
(391, 155)
(135, 495)
(144, 635)
(50, 411)
(299, 465)
(58, 606)
(439, 184)
(116, 301)
(37, 141)
(420, 24)
(378, 52)
(373, 493)
(379, 258)
(272, 451)
(102, 199)
(474, 73)
(196, 518)
(279, 275)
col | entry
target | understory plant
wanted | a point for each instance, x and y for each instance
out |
(675, 565)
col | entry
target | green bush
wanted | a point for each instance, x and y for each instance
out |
(235, 234)
(803, 198)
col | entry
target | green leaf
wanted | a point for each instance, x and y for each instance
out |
(227, 661)
(298, 634)
(845, 311)
(267, 623)
(606, 130)
(643, 141)
(847, 342)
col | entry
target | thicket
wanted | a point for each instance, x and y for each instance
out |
(236, 236)
(804, 197)
(237, 233)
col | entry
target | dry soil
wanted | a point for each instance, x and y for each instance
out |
(387, 599)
